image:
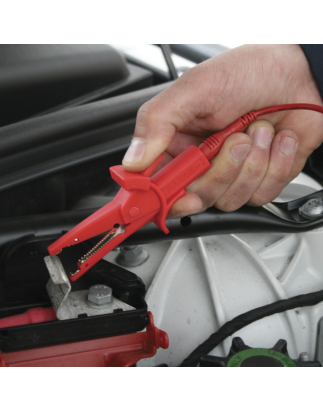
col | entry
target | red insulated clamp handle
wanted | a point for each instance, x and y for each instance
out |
(166, 186)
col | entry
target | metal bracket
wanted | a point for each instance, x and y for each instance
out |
(69, 304)
(58, 286)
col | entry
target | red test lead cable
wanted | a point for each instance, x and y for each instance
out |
(211, 146)
(143, 198)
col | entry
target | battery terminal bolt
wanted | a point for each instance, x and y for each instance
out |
(99, 296)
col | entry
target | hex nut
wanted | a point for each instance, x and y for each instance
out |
(99, 296)
(313, 208)
(132, 256)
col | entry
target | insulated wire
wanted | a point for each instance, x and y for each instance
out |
(211, 146)
(229, 328)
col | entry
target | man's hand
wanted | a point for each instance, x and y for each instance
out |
(251, 167)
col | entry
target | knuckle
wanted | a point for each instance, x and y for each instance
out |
(237, 139)
(215, 180)
(280, 177)
(255, 170)
(146, 116)
(221, 176)
(258, 199)
(205, 191)
(266, 193)
(150, 110)
(258, 124)
(145, 110)
(208, 201)
(227, 204)
(280, 181)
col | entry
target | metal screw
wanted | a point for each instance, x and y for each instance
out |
(132, 255)
(99, 296)
(304, 356)
(312, 208)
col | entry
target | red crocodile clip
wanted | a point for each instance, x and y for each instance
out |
(141, 199)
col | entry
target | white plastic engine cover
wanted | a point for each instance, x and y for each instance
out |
(202, 283)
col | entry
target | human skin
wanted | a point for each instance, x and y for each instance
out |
(252, 167)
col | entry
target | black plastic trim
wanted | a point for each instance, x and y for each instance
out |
(67, 137)
(198, 52)
(37, 77)
(138, 79)
(245, 220)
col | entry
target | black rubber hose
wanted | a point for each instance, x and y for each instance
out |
(212, 222)
(247, 318)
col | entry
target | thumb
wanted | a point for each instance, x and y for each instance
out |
(157, 122)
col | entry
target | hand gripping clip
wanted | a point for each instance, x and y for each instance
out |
(143, 198)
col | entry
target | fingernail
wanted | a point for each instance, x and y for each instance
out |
(287, 145)
(239, 153)
(262, 137)
(135, 151)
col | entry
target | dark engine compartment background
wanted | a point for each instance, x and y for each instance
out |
(67, 115)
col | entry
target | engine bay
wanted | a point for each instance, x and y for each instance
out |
(155, 298)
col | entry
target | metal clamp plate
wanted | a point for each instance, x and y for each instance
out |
(69, 304)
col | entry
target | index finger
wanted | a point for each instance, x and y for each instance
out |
(160, 118)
